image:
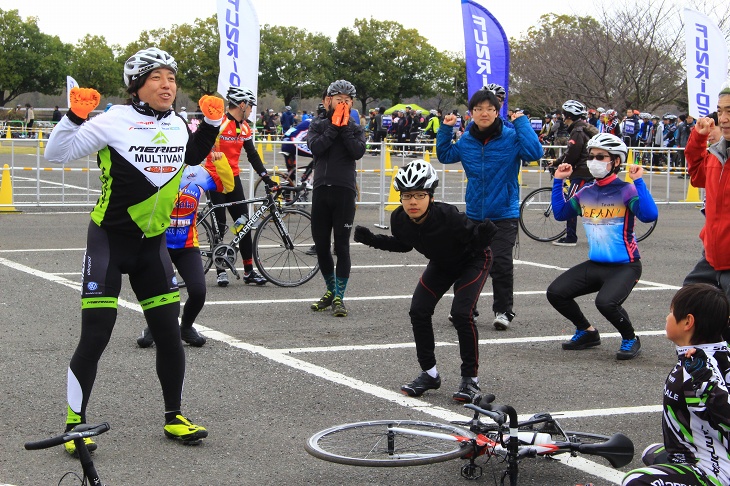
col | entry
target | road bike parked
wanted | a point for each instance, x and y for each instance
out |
(282, 235)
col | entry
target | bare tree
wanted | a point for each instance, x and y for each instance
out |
(630, 57)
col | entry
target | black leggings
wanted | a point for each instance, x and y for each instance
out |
(246, 243)
(468, 282)
(613, 282)
(147, 262)
(190, 267)
(333, 212)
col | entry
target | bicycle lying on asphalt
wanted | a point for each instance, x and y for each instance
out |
(80, 432)
(393, 443)
(280, 241)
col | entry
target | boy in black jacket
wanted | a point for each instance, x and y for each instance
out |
(459, 255)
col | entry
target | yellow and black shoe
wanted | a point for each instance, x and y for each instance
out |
(70, 446)
(324, 302)
(185, 431)
(338, 308)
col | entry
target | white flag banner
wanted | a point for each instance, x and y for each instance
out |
(70, 83)
(706, 62)
(238, 25)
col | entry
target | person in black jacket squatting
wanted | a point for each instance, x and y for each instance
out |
(459, 256)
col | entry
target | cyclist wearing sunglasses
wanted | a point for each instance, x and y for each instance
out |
(608, 207)
(459, 256)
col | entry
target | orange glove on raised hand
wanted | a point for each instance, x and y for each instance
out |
(341, 115)
(212, 107)
(83, 101)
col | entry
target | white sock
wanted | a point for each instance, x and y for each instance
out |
(433, 372)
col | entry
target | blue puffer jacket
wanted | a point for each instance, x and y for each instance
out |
(492, 169)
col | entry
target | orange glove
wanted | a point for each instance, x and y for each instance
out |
(83, 101)
(341, 115)
(212, 107)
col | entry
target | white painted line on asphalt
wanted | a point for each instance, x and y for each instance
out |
(521, 340)
(358, 385)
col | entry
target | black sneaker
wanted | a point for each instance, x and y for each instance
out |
(338, 308)
(254, 277)
(583, 339)
(312, 251)
(467, 391)
(630, 348)
(423, 382)
(145, 339)
(565, 242)
(324, 302)
(191, 336)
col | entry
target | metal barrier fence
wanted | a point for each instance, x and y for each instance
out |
(39, 183)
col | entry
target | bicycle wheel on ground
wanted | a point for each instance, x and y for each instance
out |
(259, 188)
(390, 443)
(206, 240)
(643, 230)
(536, 216)
(283, 266)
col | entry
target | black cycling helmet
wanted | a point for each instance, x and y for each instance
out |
(341, 87)
(416, 176)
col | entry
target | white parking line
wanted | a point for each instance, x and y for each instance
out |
(284, 357)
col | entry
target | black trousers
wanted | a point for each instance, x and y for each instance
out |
(468, 282)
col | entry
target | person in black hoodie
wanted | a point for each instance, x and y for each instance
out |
(459, 256)
(576, 155)
(336, 142)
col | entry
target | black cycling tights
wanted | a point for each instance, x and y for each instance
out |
(147, 262)
(613, 282)
(190, 267)
(333, 212)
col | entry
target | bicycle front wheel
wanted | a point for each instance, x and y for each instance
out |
(536, 216)
(643, 230)
(283, 266)
(390, 443)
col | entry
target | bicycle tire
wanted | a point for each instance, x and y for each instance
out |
(206, 242)
(258, 188)
(280, 265)
(643, 230)
(536, 216)
(371, 444)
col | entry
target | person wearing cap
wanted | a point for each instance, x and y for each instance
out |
(337, 143)
(183, 113)
(141, 149)
(287, 119)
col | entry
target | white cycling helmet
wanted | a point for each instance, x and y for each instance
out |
(575, 108)
(237, 95)
(145, 61)
(610, 143)
(498, 90)
(417, 175)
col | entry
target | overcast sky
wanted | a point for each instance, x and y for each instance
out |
(121, 21)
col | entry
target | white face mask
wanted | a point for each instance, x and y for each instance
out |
(598, 169)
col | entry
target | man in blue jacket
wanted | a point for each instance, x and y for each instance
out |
(491, 154)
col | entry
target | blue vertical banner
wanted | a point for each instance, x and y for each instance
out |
(487, 50)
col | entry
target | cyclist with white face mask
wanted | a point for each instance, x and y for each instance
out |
(609, 207)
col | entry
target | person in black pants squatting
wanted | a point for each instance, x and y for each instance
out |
(459, 255)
